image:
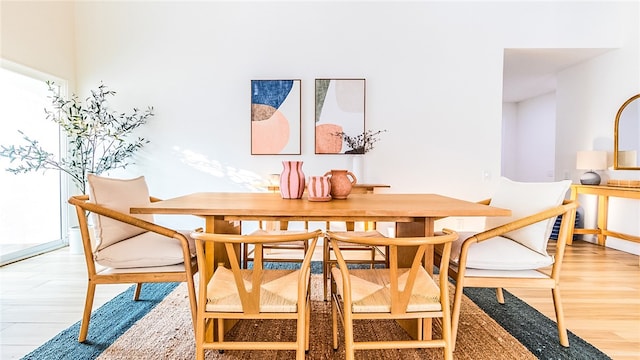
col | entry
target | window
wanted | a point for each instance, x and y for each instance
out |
(31, 206)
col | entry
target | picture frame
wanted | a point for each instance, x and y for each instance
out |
(339, 110)
(276, 117)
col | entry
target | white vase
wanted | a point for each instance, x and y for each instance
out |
(357, 167)
(75, 240)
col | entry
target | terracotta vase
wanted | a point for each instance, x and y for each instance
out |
(341, 184)
(292, 180)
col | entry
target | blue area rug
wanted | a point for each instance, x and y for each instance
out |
(534, 330)
(103, 330)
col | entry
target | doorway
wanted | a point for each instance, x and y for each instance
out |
(529, 109)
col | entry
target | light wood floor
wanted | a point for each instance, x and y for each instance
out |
(43, 295)
(600, 290)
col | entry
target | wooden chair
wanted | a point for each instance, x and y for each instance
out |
(121, 248)
(391, 293)
(376, 254)
(296, 250)
(512, 252)
(258, 293)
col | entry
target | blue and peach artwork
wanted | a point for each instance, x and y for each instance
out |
(275, 117)
(340, 108)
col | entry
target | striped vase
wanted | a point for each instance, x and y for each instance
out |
(292, 180)
(319, 188)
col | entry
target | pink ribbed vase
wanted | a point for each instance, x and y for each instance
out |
(319, 188)
(292, 180)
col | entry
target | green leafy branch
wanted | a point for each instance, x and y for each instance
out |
(97, 138)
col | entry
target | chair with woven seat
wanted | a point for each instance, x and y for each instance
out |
(257, 293)
(375, 255)
(391, 293)
(122, 248)
(293, 251)
(512, 252)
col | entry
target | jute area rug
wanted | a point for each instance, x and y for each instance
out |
(167, 333)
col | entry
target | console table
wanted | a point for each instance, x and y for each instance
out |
(603, 193)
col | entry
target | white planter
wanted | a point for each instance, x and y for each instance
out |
(357, 167)
(75, 240)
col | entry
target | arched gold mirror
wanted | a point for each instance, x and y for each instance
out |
(626, 136)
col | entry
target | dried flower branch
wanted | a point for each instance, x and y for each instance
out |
(362, 143)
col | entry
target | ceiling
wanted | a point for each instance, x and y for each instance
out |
(532, 72)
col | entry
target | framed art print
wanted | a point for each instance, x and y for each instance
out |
(275, 117)
(340, 105)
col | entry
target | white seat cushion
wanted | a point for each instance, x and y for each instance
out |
(498, 253)
(524, 199)
(119, 195)
(145, 250)
(528, 274)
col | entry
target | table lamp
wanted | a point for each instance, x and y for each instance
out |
(591, 160)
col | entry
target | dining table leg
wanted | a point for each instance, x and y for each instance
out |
(217, 254)
(419, 227)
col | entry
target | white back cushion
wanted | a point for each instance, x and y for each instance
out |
(524, 199)
(119, 195)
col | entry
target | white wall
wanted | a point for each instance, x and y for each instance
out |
(39, 35)
(428, 90)
(433, 70)
(588, 98)
(509, 165)
(194, 62)
(529, 133)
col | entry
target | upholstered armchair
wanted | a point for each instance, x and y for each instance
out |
(512, 251)
(122, 248)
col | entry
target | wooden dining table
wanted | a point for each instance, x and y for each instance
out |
(413, 214)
